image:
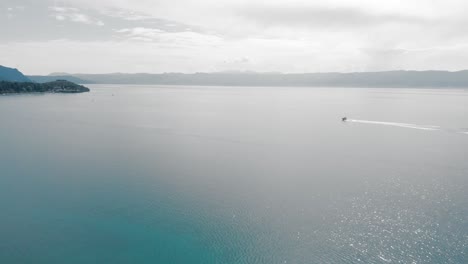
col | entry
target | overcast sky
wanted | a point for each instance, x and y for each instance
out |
(101, 36)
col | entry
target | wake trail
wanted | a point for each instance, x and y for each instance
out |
(405, 125)
(409, 125)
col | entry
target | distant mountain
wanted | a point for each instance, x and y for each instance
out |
(12, 75)
(359, 79)
(59, 86)
(59, 74)
(50, 78)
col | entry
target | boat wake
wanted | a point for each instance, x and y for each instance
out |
(405, 125)
(408, 125)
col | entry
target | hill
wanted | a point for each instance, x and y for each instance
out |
(12, 75)
(51, 78)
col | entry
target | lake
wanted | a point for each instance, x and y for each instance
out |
(180, 174)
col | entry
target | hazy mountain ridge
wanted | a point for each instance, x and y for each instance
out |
(51, 78)
(12, 75)
(331, 79)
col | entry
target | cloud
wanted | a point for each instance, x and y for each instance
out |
(106, 56)
(140, 33)
(241, 60)
(60, 17)
(186, 52)
(73, 15)
(126, 14)
(210, 35)
(324, 17)
(60, 9)
(175, 39)
(12, 11)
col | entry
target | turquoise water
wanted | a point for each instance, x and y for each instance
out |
(176, 174)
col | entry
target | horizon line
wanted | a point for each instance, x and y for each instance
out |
(242, 72)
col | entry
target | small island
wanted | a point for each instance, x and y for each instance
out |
(59, 86)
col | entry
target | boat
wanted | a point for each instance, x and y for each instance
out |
(344, 119)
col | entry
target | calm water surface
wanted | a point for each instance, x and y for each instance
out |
(161, 174)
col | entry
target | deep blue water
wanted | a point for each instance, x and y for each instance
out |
(175, 174)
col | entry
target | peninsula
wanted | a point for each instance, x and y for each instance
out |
(14, 81)
(59, 86)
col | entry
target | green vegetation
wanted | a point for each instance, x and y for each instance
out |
(59, 86)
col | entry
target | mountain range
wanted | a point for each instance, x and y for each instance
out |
(401, 79)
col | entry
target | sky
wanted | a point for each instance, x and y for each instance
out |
(289, 36)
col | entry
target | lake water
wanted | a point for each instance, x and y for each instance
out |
(178, 174)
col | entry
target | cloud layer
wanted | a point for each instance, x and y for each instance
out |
(209, 35)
